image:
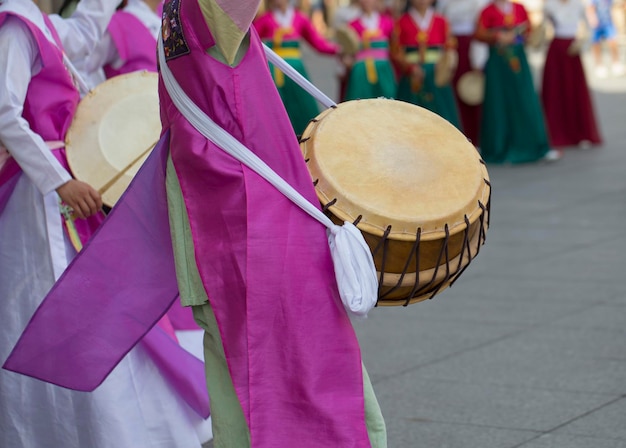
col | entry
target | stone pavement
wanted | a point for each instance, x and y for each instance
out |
(528, 349)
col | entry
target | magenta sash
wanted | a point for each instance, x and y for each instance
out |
(115, 290)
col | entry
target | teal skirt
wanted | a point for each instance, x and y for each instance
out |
(439, 100)
(360, 87)
(300, 105)
(513, 128)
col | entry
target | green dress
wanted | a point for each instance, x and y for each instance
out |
(371, 77)
(439, 100)
(300, 105)
(513, 128)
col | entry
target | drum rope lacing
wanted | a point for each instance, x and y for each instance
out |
(354, 266)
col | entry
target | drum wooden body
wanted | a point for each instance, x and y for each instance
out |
(411, 182)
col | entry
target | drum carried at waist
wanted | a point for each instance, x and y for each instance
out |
(115, 127)
(411, 182)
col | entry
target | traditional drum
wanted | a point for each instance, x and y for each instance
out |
(471, 87)
(115, 127)
(411, 182)
(347, 39)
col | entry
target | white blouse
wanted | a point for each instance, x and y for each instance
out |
(565, 16)
(462, 15)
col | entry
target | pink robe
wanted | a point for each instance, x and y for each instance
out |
(134, 42)
(265, 264)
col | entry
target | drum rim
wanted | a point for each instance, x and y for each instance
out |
(432, 234)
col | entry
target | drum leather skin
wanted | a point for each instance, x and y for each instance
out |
(114, 124)
(471, 87)
(415, 186)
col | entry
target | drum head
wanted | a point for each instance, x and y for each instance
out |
(113, 125)
(347, 39)
(471, 88)
(395, 164)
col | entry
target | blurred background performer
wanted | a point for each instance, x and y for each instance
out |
(281, 27)
(600, 17)
(135, 406)
(566, 99)
(512, 126)
(462, 16)
(346, 14)
(129, 43)
(421, 37)
(372, 75)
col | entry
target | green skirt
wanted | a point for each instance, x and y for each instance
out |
(230, 429)
(439, 100)
(300, 105)
(512, 128)
(359, 87)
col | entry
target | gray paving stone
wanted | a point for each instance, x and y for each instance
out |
(493, 305)
(407, 433)
(544, 358)
(601, 261)
(606, 317)
(398, 339)
(416, 397)
(565, 441)
(607, 422)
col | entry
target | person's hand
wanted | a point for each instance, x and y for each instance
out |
(81, 197)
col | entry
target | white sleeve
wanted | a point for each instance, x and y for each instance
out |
(81, 32)
(103, 54)
(19, 62)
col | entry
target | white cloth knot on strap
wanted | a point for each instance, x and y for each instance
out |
(355, 272)
(354, 269)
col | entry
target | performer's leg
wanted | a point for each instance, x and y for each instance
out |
(376, 428)
(229, 425)
(230, 429)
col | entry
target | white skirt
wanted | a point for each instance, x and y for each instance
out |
(134, 407)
